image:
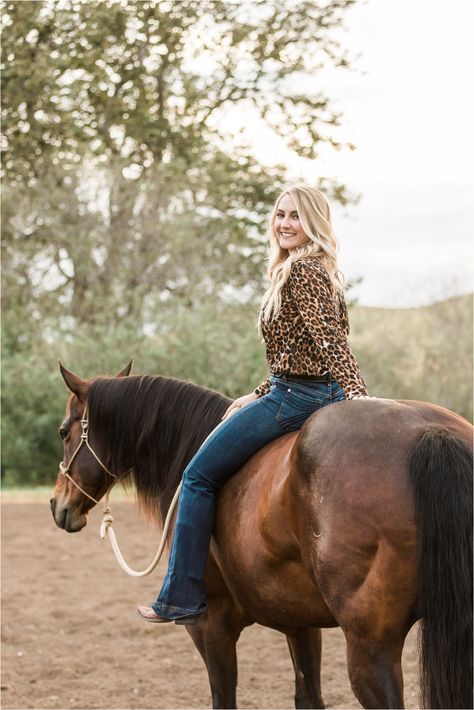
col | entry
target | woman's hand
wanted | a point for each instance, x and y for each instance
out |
(239, 404)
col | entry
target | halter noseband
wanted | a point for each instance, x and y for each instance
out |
(65, 470)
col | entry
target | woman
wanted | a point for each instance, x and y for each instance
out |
(304, 323)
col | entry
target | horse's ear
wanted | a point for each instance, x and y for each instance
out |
(126, 370)
(74, 383)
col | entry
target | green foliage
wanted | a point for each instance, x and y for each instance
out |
(32, 405)
(91, 90)
(122, 186)
(423, 353)
(214, 346)
(141, 80)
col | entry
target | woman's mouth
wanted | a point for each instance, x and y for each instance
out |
(287, 234)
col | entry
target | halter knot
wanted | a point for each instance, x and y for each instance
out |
(107, 520)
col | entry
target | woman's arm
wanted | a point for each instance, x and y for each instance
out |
(262, 389)
(310, 287)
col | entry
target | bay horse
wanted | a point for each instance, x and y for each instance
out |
(362, 519)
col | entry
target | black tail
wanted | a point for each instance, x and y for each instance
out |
(441, 477)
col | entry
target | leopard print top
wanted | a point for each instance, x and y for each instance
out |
(309, 334)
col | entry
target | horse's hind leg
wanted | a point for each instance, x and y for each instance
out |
(375, 670)
(215, 636)
(305, 649)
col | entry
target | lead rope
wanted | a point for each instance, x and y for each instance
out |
(107, 520)
(106, 528)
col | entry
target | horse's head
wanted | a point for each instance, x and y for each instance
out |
(83, 477)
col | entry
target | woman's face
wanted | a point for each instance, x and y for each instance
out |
(287, 225)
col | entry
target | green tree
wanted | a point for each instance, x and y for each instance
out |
(133, 215)
(141, 80)
(120, 190)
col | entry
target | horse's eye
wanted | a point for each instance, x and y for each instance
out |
(63, 433)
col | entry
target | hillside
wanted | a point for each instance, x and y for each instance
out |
(418, 353)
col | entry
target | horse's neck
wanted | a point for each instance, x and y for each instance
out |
(186, 429)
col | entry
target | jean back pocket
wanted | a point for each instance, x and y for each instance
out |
(297, 407)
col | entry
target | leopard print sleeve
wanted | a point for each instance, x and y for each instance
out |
(343, 315)
(310, 287)
(262, 389)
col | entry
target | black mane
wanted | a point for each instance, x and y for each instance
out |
(153, 425)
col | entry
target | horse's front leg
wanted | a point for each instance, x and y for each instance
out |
(215, 636)
(305, 649)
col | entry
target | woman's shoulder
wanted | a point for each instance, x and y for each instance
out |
(309, 267)
(311, 272)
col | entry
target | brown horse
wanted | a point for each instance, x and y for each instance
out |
(360, 520)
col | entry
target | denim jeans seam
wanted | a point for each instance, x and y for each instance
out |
(274, 415)
(169, 608)
(279, 410)
(288, 426)
(308, 392)
(319, 398)
(333, 396)
(266, 405)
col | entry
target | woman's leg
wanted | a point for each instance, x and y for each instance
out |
(226, 450)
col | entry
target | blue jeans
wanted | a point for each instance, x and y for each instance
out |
(285, 408)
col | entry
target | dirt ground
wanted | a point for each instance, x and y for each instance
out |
(71, 638)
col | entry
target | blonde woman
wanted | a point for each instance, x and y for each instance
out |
(304, 322)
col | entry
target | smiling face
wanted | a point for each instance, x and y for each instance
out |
(287, 225)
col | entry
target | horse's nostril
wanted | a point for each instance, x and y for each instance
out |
(62, 518)
(52, 503)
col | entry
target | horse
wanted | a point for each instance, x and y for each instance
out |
(362, 519)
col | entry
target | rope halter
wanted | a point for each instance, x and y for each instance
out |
(65, 470)
(107, 520)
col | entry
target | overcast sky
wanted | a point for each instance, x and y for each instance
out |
(411, 117)
(409, 111)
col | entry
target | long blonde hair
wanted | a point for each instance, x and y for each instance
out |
(315, 217)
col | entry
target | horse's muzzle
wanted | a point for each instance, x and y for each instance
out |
(67, 518)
